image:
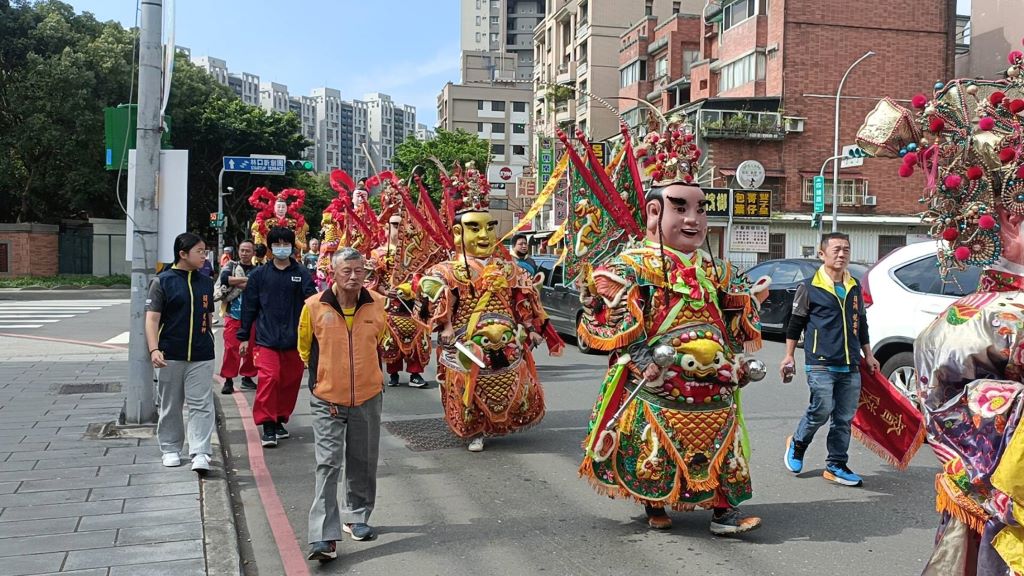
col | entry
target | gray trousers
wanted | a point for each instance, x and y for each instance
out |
(182, 382)
(344, 438)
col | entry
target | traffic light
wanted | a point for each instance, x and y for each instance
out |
(857, 152)
(816, 220)
(214, 219)
(299, 165)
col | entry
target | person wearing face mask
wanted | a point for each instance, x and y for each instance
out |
(679, 442)
(273, 299)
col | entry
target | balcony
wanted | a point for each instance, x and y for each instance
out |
(563, 113)
(566, 73)
(582, 30)
(741, 125)
(581, 68)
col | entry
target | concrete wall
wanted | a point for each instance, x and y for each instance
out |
(996, 28)
(31, 249)
(108, 250)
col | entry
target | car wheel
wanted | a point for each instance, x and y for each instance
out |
(900, 371)
(583, 348)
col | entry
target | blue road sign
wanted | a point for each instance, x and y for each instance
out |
(257, 165)
(819, 194)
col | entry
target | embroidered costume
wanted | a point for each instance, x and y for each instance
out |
(967, 138)
(275, 211)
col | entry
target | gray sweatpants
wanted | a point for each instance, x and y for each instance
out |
(181, 382)
(346, 438)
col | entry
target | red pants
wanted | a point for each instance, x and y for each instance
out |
(411, 366)
(229, 367)
(280, 374)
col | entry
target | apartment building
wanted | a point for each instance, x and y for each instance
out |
(327, 102)
(305, 108)
(215, 67)
(274, 97)
(762, 90)
(424, 133)
(500, 114)
(985, 36)
(247, 86)
(502, 26)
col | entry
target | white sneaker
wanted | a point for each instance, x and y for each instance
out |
(201, 463)
(171, 459)
(476, 444)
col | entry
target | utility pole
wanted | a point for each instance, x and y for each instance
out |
(139, 405)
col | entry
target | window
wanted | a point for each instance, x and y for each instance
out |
(961, 282)
(740, 72)
(737, 12)
(786, 272)
(497, 105)
(519, 106)
(498, 149)
(497, 128)
(499, 204)
(494, 36)
(675, 8)
(661, 68)
(690, 57)
(649, 8)
(519, 128)
(888, 243)
(518, 150)
(849, 190)
(776, 248)
(479, 126)
(494, 20)
(479, 104)
(477, 37)
(633, 73)
(478, 20)
(921, 276)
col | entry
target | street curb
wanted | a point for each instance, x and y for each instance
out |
(78, 294)
(220, 535)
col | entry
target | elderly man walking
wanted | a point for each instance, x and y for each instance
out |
(339, 330)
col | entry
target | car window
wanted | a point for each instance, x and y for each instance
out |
(765, 269)
(921, 276)
(556, 276)
(789, 273)
(961, 282)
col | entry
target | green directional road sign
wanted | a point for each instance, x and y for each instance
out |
(819, 194)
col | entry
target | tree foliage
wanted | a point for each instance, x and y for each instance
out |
(59, 69)
(450, 148)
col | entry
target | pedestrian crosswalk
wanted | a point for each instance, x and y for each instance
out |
(27, 315)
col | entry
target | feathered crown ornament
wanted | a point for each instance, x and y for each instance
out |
(669, 156)
(467, 188)
(967, 139)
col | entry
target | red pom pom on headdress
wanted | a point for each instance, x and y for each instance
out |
(986, 123)
(1007, 155)
(919, 101)
(975, 173)
(950, 234)
(906, 170)
(996, 98)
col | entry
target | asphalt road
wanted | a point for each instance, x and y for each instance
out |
(520, 508)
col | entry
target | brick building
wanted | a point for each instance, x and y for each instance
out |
(762, 87)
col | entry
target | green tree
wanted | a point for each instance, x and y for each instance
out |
(450, 148)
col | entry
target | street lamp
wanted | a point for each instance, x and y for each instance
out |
(835, 145)
(220, 215)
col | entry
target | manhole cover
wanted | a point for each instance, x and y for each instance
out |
(89, 388)
(424, 434)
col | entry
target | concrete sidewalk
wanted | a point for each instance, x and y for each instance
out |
(78, 496)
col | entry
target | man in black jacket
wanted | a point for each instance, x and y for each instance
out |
(273, 299)
(828, 309)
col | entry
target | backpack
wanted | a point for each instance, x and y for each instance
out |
(225, 292)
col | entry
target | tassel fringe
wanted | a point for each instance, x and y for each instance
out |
(884, 454)
(958, 506)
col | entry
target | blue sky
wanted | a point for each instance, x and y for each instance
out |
(405, 48)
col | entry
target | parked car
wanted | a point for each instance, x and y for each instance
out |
(786, 275)
(903, 293)
(562, 304)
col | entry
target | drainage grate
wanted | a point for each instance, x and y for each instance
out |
(424, 434)
(89, 388)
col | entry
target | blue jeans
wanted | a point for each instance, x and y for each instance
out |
(835, 395)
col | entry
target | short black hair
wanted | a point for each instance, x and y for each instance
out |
(260, 250)
(281, 234)
(833, 236)
(519, 236)
(185, 242)
(247, 241)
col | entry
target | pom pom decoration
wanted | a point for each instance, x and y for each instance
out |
(1016, 106)
(1020, 171)
(952, 181)
(986, 222)
(906, 170)
(1007, 155)
(975, 173)
(986, 123)
(918, 101)
(910, 158)
(950, 234)
(996, 98)
(936, 125)
(962, 253)
(1014, 56)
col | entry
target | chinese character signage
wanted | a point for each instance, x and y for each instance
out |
(749, 238)
(718, 202)
(545, 161)
(752, 204)
(601, 151)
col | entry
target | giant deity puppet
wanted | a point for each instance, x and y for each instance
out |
(490, 318)
(275, 211)
(348, 221)
(667, 430)
(967, 138)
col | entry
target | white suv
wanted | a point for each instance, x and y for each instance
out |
(903, 293)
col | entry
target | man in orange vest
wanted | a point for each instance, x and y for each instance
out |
(339, 330)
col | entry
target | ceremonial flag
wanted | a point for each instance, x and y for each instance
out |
(886, 422)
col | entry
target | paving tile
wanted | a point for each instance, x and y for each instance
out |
(69, 483)
(70, 443)
(89, 572)
(23, 545)
(26, 447)
(160, 533)
(129, 555)
(88, 472)
(160, 503)
(37, 527)
(133, 519)
(37, 498)
(49, 453)
(151, 468)
(195, 567)
(17, 465)
(33, 564)
(8, 487)
(146, 491)
(15, 513)
(168, 476)
(101, 461)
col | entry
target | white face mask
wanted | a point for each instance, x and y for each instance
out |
(282, 252)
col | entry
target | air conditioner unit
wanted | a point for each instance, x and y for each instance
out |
(871, 200)
(793, 123)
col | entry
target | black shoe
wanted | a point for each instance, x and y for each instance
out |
(393, 380)
(229, 387)
(323, 551)
(248, 383)
(417, 381)
(281, 433)
(269, 439)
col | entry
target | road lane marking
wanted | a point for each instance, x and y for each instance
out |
(121, 338)
(13, 326)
